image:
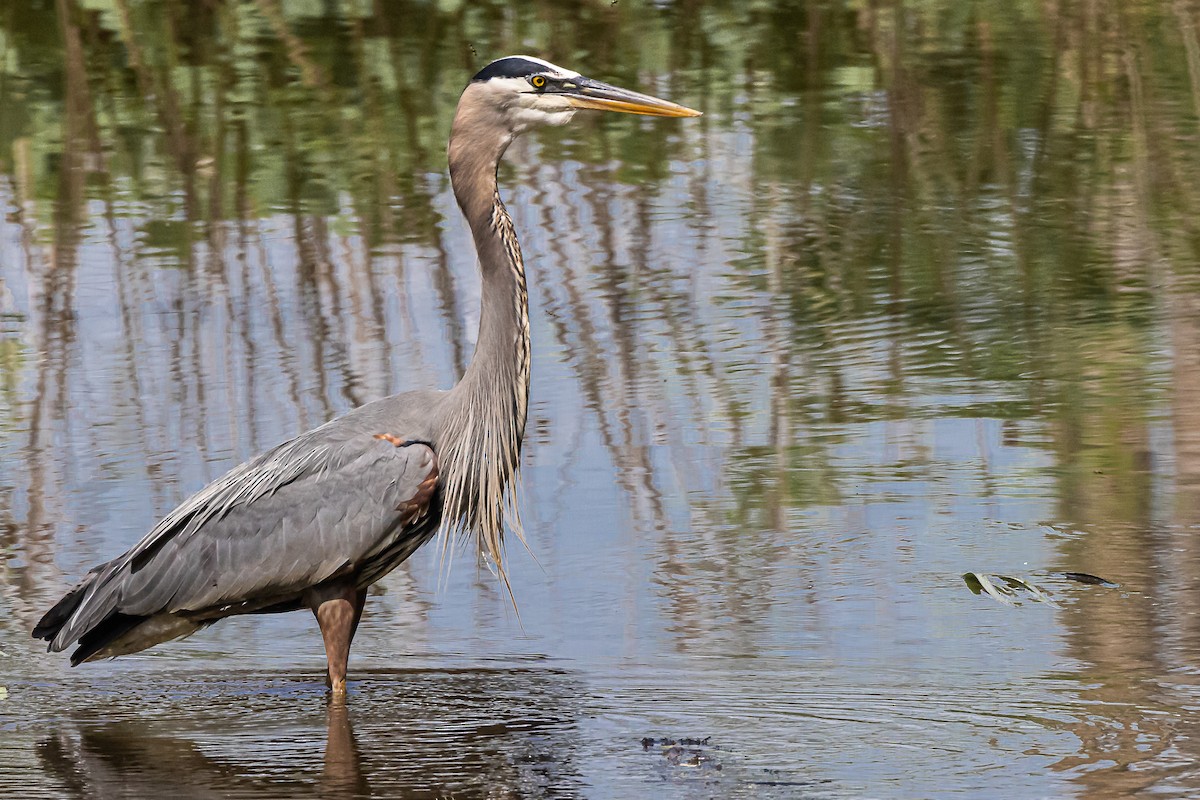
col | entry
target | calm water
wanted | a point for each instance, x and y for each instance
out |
(918, 296)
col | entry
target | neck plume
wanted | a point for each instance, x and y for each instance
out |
(484, 419)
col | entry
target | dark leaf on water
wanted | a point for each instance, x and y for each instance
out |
(1083, 577)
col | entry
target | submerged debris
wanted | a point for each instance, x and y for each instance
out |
(686, 752)
(650, 741)
(1083, 577)
(695, 759)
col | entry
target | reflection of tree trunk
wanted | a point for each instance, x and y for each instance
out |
(408, 101)
(1122, 639)
(310, 73)
(365, 297)
(1187, 28)
(56, 323)
(631, 462)
(82, 133)
(284, 343)
(307, 265)
(631, 419)
(307, 268)
(1117, 637)
(1182, 554)
(444, 285)
(779, 343)
(1184, 322)
(54, 337)
(899, 112)
(161, 93)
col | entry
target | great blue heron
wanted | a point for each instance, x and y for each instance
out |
(315, 521)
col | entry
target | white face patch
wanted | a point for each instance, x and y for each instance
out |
(524, 105)
(508, 86)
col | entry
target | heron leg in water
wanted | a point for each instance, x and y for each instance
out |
(338, 608)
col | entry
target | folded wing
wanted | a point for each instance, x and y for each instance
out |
(332, 502)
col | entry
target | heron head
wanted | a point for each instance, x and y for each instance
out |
(529, 92)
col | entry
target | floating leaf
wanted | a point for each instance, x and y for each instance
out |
(1006, 589)
(978, 583)
(1039, 596)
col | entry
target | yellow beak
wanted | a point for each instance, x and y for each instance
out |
(584, 92)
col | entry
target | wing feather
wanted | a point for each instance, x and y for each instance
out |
(302, 513)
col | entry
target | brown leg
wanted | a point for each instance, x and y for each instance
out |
(338, 608)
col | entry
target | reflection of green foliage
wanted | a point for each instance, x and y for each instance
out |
(12, 358)
(764, 479)
(278, 102)
(1104, 408)
(985, 195)
(167, 236)
(990, 180)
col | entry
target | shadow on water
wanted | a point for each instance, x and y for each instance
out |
(411, 734)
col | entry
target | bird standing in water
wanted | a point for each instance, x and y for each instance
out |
(315, 521)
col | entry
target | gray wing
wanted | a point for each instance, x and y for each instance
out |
(307, 511)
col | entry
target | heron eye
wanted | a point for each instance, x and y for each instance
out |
(538, 82)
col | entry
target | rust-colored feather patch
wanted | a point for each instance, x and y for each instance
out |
(417, 507)
(396, 440)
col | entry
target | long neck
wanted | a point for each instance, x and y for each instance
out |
(484, 419)
(502, 348)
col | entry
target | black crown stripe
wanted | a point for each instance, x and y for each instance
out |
(510, 67)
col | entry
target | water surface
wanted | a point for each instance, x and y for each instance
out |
(917, 297)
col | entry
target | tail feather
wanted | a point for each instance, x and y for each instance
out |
(58, 616)
(86, 614)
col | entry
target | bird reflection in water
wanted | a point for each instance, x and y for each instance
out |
(342, 775)
(128, 759)
(494, 734)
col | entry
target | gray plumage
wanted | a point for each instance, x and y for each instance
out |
(319, 507)
(314, 521)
